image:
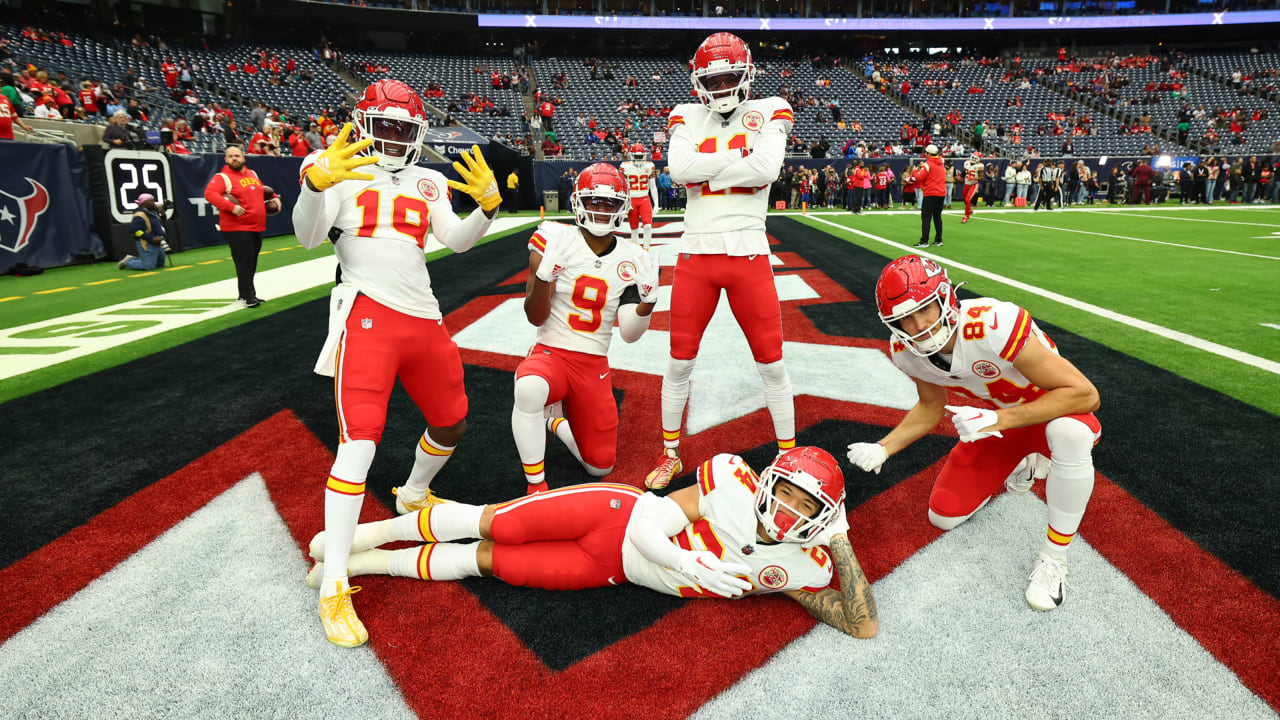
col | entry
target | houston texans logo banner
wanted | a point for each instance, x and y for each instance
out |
(46, 217)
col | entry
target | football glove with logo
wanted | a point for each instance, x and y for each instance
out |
(339, 161)
(478, 180)
(710, 573)
(868, 456)
(972, 423)
(647, 282)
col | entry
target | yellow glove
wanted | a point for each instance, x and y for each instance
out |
(480, 183)
(338, 162)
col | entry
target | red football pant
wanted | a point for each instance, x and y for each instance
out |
(969, 192)
(748, 281)
(380, 345)
(975, 471)
(581, 380)
(641, 212)
(566, 539)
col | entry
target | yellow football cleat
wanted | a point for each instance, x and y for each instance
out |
(338, 616)
(404, 507)
(660, 476)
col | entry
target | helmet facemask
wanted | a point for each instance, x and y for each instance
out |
(793, 526)
(599, 211)
(723, 86)
(397, 136)
(934, 338)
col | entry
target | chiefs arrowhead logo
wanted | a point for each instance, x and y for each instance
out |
(19, 215)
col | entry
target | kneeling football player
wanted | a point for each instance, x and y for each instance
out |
(579, 281)
(730, 534)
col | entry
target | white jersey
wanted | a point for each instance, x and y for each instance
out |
(989, 336)
(638, 173)
(728, 221)
(727, 528)
(972, 171)
(384, 224)
(585, 303)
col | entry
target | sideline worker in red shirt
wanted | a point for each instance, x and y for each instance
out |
(933, 177)
(241, 218)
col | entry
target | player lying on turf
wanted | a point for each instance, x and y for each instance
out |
(732, 533)
(1034, 402)
(580, 280)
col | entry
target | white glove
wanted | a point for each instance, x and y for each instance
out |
(552, 264)
(708, 572)
(840, 526)
(647, 282)
(868, 456)
(972, 422)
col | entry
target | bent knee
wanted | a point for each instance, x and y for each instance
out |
(594, 471)
(1069, 436)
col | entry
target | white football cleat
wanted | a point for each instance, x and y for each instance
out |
(1048, 586)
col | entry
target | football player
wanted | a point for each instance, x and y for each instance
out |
(1033, 401)
(973, 168)
(642, 187)
(727, 150)
(730, 534)
(578, 281)
(384, 320)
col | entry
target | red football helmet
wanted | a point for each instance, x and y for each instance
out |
(600, 199)
(634, 152)
(909, 284)
(723, 72)
(391, 115)
(812, 470)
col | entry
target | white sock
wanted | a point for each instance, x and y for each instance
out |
(445, 522)
(1070, 483)
(436, 561)
(560, 428)
(427, 461)
(343, 496)
(778, 398)
(675, 395)
(635, 234)
(529, 427)
(647, 234)
(370, 562)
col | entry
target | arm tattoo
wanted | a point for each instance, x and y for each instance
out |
(852, 607)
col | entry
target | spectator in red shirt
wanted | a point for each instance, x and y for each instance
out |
(9, 116)
(259, 144)
(547, 110)
(170, 74)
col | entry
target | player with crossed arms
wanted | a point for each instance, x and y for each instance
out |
(732, 533)
(642, 188)
(385, 322)
(1034, 401)
(579, 276)
(727, 149)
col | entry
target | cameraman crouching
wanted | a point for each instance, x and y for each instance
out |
(148, 233)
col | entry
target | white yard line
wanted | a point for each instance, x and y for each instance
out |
(977, 216)
(1180, 337)
(1189, 219)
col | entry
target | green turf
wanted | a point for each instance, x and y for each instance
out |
(1168, 286)
(95, 296)
(33, 306)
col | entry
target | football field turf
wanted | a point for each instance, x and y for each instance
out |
(162, 492)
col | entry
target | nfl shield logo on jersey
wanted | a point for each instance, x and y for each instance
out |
(19, 215)
(366, 323)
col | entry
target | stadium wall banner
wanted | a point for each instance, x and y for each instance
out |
(191, 174)
(843, 24)
(46, 210)
(451, 141)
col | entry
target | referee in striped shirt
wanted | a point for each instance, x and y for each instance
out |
(1050, 183)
